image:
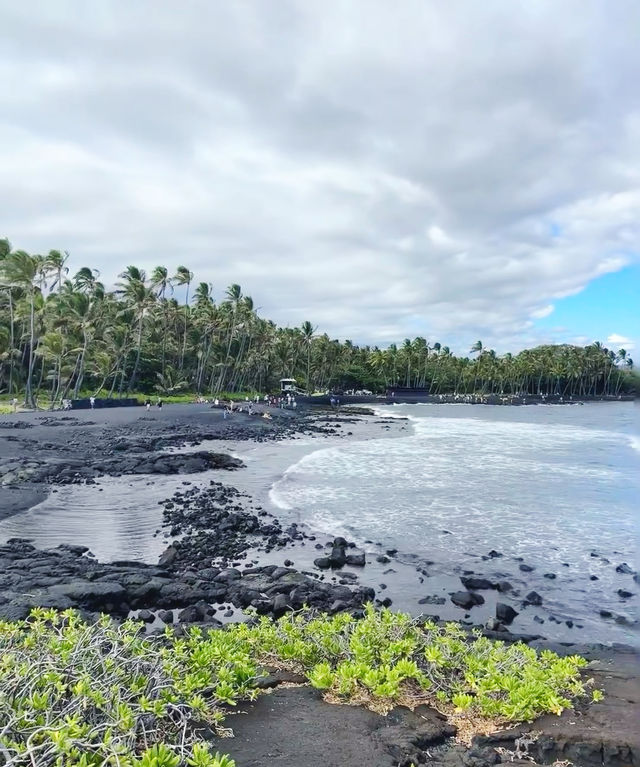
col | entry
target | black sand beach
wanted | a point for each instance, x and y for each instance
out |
(230, 553)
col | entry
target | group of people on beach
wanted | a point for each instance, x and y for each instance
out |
(248, 405)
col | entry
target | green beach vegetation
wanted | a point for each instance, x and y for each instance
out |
(84, 694)
(64, 335)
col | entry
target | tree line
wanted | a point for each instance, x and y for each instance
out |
(62, 335)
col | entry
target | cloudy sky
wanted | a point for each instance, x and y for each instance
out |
(458, 170)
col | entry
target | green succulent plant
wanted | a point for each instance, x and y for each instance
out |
(79, 694)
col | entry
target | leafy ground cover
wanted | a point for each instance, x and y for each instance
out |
(78, 694)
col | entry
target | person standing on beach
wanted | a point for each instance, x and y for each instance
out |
(159, 404)
(14, 404)
(148, 404)
(92, 402)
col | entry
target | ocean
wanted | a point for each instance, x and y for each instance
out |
(558, 486)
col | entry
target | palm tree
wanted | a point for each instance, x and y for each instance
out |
(85, 279)
(184, 277)
(20, 270)
(308, 331)
(161, 282)
(82, 309)
(81, 335)
(56, 262)
(53, 347)
(231, 307)
(11, 350)
(139, 297)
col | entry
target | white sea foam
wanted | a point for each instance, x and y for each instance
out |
(524, 477)
(550, 485)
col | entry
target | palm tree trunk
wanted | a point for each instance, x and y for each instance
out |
(184, 337)
(76, 390)
(71, 377)
(11, 342)
(58, 382)
(29, 398)
(132, 380)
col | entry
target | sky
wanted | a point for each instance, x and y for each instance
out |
(456, 170)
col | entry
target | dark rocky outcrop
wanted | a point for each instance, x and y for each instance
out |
(432, 600)
(69, 470)
(505, 613)
(64, 578)
(473, 583)
(342, 553)
(466, 599)
(533, 598)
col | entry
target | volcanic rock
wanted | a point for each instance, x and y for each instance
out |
(505, 613)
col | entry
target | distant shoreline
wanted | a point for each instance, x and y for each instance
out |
(406, 398)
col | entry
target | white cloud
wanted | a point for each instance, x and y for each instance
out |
(620, 342)
(538, 314)
(442, 169)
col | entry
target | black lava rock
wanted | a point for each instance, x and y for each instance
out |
(356, 559)
(466, 599)
(474, 583)
(432, 600)
(505, 613)
(533, 598)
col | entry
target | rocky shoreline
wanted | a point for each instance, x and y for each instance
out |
(214, 533)
(211, 571)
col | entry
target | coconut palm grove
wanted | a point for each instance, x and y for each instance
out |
(64, 335)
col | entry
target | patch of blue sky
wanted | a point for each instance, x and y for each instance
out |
(608, 306)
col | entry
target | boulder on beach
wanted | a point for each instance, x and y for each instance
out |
(466, 599)
(432, 599)
(356, 558)
(505, 613)
(168, 556)
(533, 598)
(474, 583)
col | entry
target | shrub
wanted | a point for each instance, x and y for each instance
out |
(387, 656)
(74, 694)
(78, 694)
